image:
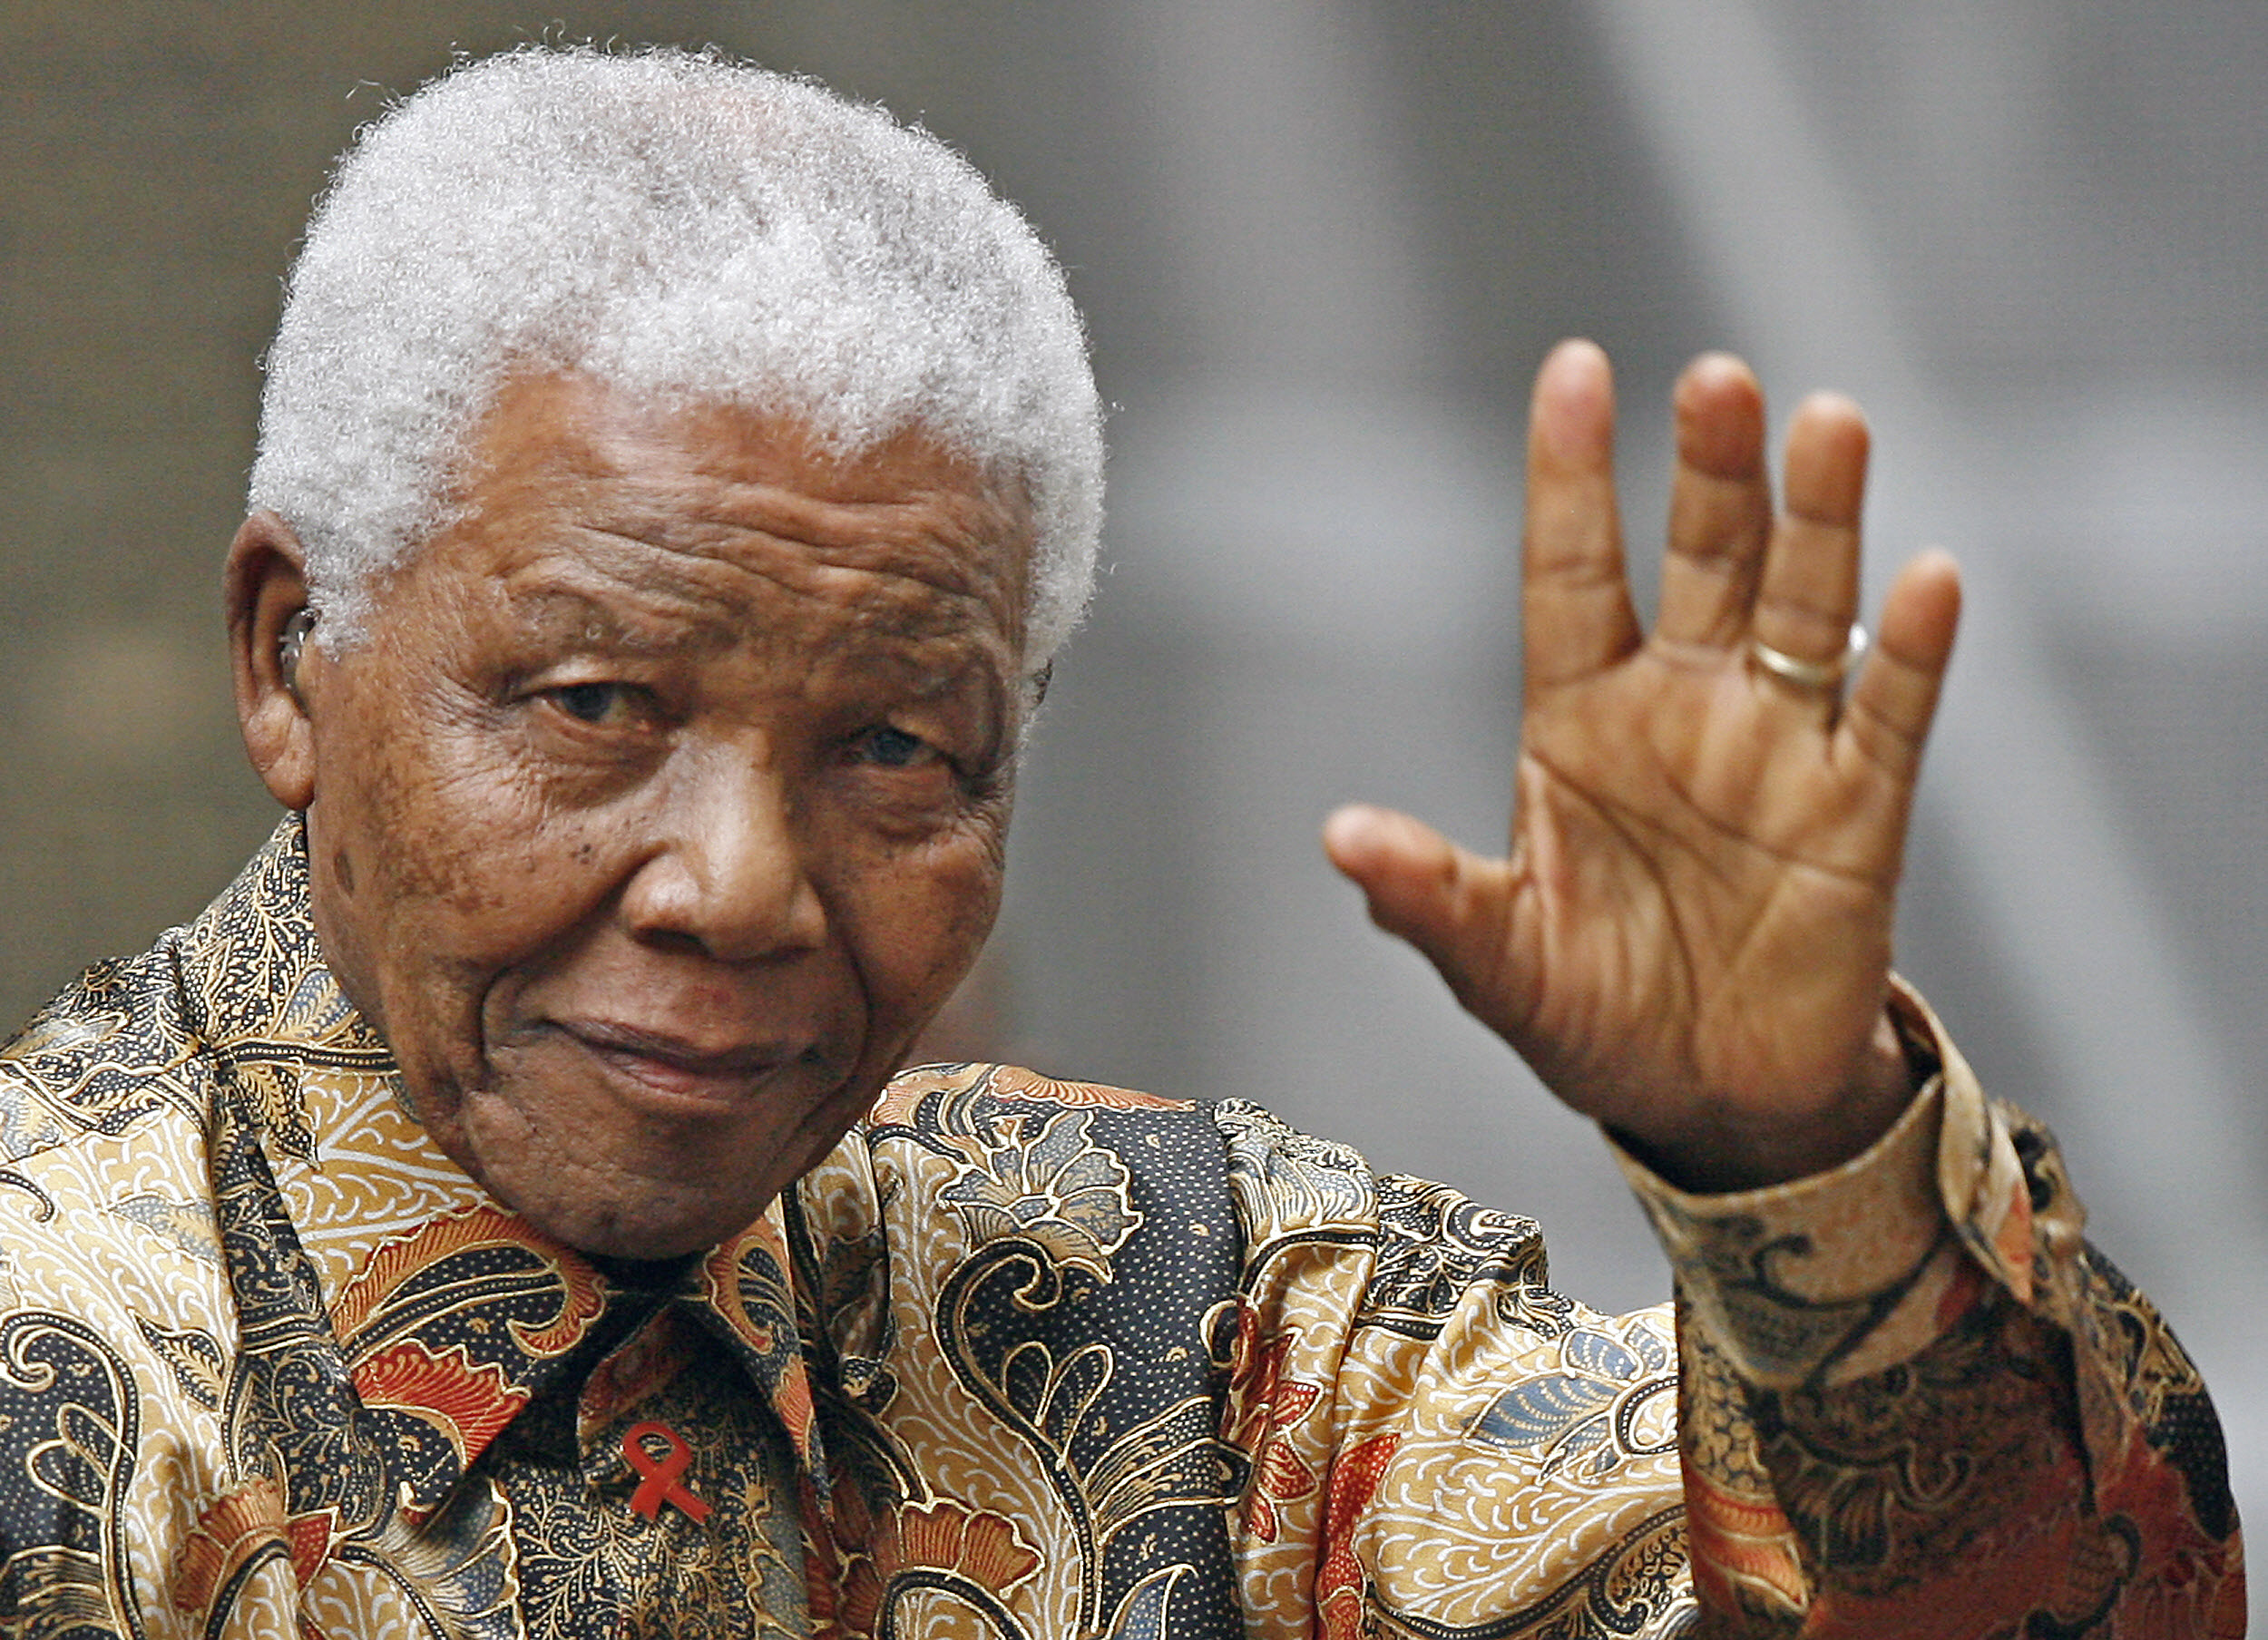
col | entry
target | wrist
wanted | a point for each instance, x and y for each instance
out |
(1747, 1153)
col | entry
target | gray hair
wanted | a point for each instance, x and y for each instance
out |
(674, 225)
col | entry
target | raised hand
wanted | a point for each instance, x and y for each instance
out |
(1690, 940)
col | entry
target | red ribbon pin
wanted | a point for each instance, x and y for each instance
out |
(659, 1485)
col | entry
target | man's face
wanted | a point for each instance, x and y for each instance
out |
(666, 801)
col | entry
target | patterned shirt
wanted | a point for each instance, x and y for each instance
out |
(1028, 1359)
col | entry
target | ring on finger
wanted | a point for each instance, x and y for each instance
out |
(1824, 676)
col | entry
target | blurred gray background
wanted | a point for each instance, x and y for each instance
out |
(1322, 244)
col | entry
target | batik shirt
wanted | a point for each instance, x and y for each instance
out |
(1025, 1358)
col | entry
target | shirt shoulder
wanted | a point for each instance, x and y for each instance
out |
(1282, 1185)
(113, 1049)
(117, 1328)
(106, 1193)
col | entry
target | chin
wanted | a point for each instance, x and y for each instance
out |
(642, 1231)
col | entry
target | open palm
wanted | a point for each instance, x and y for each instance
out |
(1690, 938)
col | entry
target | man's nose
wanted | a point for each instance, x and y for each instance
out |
(729, 871)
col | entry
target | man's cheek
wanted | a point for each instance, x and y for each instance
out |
(935, 931)
(467, 840)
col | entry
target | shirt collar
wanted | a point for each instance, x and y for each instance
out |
(448, 1307)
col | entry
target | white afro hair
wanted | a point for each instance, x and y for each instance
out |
(669, 224)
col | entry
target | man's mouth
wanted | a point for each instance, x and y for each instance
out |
(682, 1068)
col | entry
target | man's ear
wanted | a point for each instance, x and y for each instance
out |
(266, 585)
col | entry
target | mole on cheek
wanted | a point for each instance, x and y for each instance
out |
(343, 869)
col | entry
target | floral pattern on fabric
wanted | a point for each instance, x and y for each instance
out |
(1263, 1408)
(1029, 1359)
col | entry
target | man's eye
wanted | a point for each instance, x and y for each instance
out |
(886, 748)
(593, 703)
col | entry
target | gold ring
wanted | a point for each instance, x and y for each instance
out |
(1825, 675)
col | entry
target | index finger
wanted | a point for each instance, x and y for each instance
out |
(1576, 613)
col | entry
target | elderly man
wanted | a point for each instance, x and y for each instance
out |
(504, 1213)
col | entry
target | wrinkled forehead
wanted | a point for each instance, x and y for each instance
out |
(559, 459)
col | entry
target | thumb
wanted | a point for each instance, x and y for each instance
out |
(1448, 902)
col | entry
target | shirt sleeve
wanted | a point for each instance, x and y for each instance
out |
(1903, 1397)
(1916, 1401)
